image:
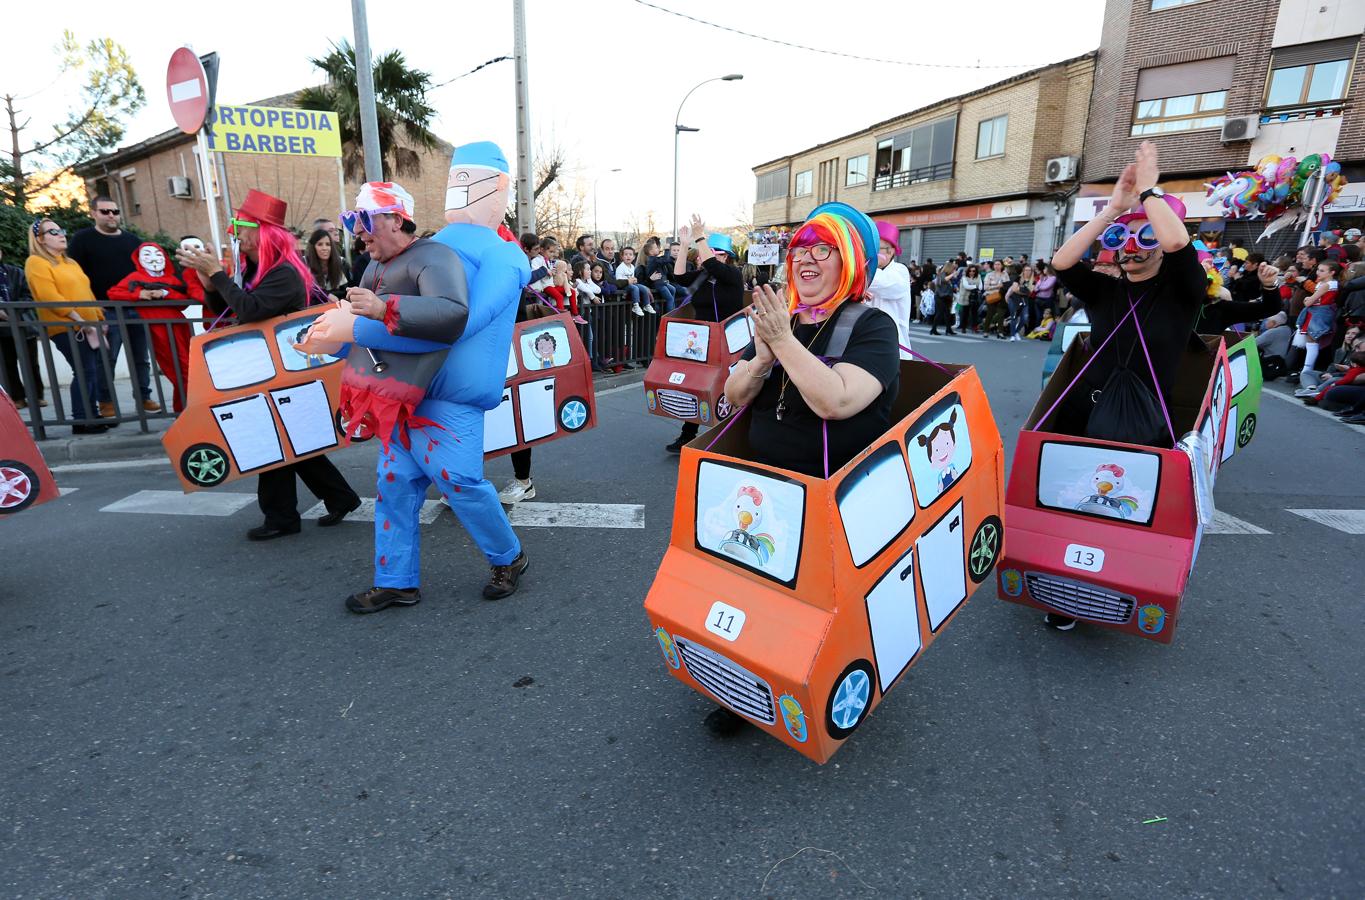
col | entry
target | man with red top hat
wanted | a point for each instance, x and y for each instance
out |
(890, 287)
(276, 281)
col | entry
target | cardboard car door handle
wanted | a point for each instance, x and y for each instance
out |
(283, 400)
(957, 520)
(223, 417)
(907, 571)
(550, 386)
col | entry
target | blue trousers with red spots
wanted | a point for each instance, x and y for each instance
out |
(451, 457)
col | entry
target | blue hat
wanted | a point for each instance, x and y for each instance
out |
(717, 241)
(865, 227)
(480, 154)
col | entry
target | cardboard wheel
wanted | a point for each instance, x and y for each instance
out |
(985, 549)
(205, 464)
(573, 414)
(723, 408)
(1247, 430)
(849, 700)
(359, 435)
(19, 486)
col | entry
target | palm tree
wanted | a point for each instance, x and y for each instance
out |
(400, 104)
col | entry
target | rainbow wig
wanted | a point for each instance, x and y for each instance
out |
(275, 246)
(838, 232)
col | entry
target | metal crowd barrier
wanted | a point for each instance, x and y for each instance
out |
(612, 332)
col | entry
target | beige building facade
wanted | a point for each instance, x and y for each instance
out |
(985, 173)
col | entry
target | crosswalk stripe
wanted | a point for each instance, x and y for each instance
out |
(578, 515)
(1350, 521)
(1223, 523)
(174, 503)
(430, 510)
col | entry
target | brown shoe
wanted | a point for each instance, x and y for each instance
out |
(107, 411)
(20, 404)
(151, 406)
(504, 580)
(377, 598)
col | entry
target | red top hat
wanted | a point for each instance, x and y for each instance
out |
(263, 208)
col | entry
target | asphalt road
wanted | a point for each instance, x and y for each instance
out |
(184, 714)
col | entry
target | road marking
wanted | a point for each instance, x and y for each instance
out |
(63, 491)
(1299, 404)
(174, 503)
(1350, 521)
(578, 515)
(116, 464)
(1228, 524)
(430, 510)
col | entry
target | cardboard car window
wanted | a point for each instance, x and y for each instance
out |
(1240, 375)
(750, 518)
(1070, 333)
(546, 348)
(287, 334)
(940, 449)
(875, 503)
(1098, 481)
(239, 360)
(687, 340)
(739, 333)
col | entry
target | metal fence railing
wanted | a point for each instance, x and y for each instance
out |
(78, 374)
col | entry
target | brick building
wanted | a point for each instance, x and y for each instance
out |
(1217, 94)
(157, 185)
(985, 171)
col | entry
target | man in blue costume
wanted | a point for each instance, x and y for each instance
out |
(440, 440)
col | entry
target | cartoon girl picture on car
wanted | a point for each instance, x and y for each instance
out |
(545, 347)
(940, 445)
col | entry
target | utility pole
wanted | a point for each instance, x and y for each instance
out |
(526, 200)
(364, 80)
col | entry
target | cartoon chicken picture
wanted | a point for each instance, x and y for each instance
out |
(1107, 497)
(692, 349)
(745, 542)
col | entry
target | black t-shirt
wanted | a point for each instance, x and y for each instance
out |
(106, 259)
(722, 297)
(796, 442)
(1170, 303)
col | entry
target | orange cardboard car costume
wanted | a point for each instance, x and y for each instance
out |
(255, 403)
(686, 378)
(1108, 532)
(798, 602)
(25, 480)
(549, 390)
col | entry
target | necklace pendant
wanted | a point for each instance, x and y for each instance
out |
(780, 407)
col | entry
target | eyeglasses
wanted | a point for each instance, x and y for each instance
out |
(366, 217)
(234, 224)
(55, 232)
(108, 212)
(817, 252)
(1117, 235)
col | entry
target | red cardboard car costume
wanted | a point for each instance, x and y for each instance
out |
(155, 280)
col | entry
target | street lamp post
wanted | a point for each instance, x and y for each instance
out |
(679, 129)
(594, 199)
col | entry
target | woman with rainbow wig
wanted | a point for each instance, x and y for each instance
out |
(803, 391)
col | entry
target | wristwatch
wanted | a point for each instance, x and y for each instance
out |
(1150, 192)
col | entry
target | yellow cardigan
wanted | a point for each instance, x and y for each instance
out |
(57, 285)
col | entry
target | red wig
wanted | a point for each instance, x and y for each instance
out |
(275, 246)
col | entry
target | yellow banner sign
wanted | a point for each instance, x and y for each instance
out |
(267, 129)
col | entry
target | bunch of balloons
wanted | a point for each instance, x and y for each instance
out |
(1276, 185)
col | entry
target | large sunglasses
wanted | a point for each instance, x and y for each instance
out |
(1117, 235)
(365, 217)
(817, 252)
(234, 224)
(55, 232)
(108, 212)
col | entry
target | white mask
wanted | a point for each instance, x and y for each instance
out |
(153, 260)
(457, 197)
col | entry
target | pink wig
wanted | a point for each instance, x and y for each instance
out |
(274, 246)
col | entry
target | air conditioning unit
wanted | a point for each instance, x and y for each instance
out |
(1240, 128)
(1060, 168)
(179, 186)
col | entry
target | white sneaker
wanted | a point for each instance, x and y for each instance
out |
(649, 308)
(517, 491)
(635, 308)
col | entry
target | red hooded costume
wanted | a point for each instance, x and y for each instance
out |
(155, 272)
